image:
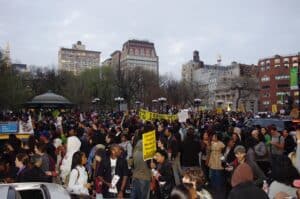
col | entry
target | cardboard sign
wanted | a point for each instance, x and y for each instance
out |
(149, 145)
(183, 115)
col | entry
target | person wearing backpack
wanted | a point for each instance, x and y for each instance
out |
(78, 180)
(261, 152)
(277, 142)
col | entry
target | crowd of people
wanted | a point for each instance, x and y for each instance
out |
(208, 156)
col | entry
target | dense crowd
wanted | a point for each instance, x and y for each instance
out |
(208, 156)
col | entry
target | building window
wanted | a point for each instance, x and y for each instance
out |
(131, 51)
(266, 87)
(282, 85)
(277, 61)
(279, 102)
(265, 79)
(262, 63)
(262, 68)
(295, 59)
(282, 93)
(266, 102)
(280, 77)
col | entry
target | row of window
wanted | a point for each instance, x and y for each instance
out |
(286, 65)
(277, 77)
(142, 52)
(268, 102)
(278, 86)
(278, 60)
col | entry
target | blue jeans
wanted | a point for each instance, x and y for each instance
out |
(140, 189)
(216, 178)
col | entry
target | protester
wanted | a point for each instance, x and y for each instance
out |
(283, 174)
(50, 149)
(22, 161)
(289, 142)
(266, 135)
(35, 172)
(141, 174)
(100, 156)
(196, 177)
(40, 149)
(205, 147)
(126, 146)
(190, 150)
(243, 186)
(258, 175)
(173, 147)
(73, 145)
(181, 192)
(163, 173)
(260, 152)
(216, 170)
(277, 142)
(78, 181)
(114, 174)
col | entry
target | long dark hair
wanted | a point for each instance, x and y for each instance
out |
(77, 159)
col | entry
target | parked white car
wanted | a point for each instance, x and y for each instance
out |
(35, 190)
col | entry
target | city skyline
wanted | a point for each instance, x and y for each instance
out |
(242, 32)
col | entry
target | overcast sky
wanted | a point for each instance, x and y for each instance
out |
(238, 30)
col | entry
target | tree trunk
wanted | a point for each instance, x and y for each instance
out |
(238, 99)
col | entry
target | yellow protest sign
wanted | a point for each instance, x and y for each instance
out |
(219, 110)
(149, 145)
(151, 116)
(274, 108)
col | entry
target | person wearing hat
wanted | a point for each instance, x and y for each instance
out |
(242, 183)
(240, 154)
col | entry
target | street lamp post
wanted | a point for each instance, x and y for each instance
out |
(137, 103)
(197, 102)
(154, 102)
(162, 100)
(119, 100)
(95, 101)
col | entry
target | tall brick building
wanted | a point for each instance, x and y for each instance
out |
(278, 80)
(138, 53)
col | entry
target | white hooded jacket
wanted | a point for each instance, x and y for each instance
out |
(73, 145)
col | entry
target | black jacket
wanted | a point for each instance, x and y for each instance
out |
(105, 172)
(247, 190)
(166, 175)
(35, 174)
(289, 144)
(21, 174)
(173, 146)
(189, 153)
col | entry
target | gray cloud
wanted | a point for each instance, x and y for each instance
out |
(241, 31)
